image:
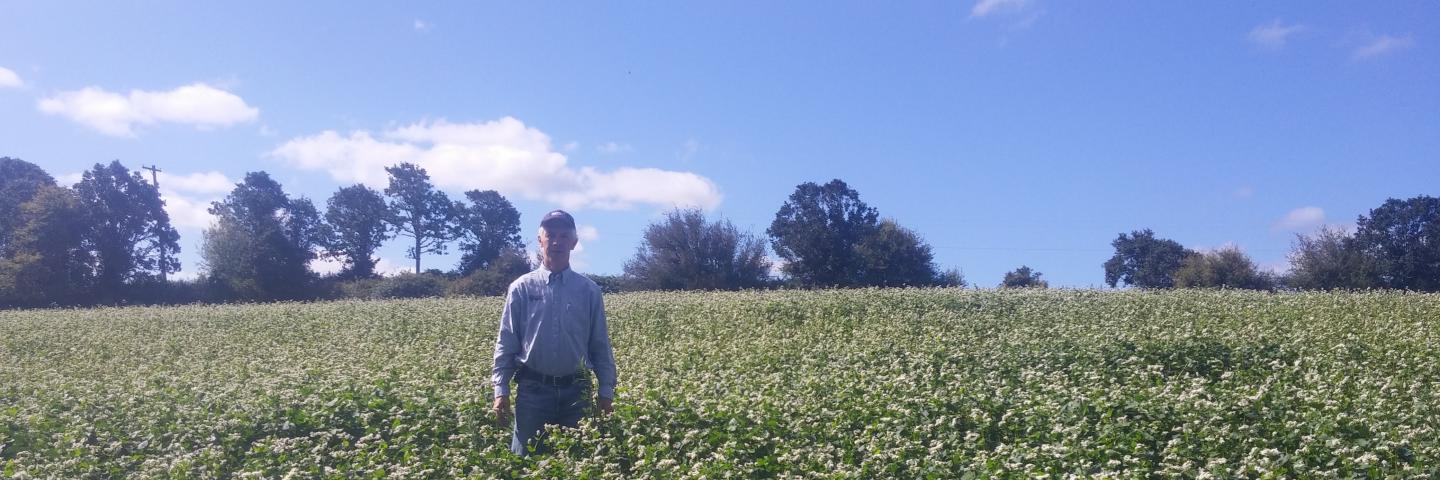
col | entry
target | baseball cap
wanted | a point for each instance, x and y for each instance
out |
(557, 218)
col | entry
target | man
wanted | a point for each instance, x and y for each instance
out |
(552, 330)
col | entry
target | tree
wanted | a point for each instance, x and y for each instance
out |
(1404, 237)
(19, 180)
(1023, 277)
(685, 252)
(950, 278)
(419, 211)
(1144, 261)
(815, 232)
(356, 224)
(485, 228)
(1331, 259)
(262, 242)
(1224, 268)
(496, 276)
(895, 256)
(45, 263)
(128, 229)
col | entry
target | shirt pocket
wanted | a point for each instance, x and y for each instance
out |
(577, 323)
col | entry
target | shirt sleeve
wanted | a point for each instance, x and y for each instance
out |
(507, 342)
(602, 358)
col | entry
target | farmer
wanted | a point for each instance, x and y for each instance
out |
(553, 330)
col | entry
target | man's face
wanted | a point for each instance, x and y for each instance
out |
(557, 242)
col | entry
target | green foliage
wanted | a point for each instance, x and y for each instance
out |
(895, 383)
(1224, 268)
(45, 262)
(1023, 277)
(895, 256)
(486, 228)
(1144, 261)
(262, 241)
(128, 229)
(816, 230)
(683, 251)
(355, 226)
(1330, 259)
(613, 283)
(419, 211)
(411, 285)
(950, 278)
(19, 180)
(1404, 238)
(495, 278)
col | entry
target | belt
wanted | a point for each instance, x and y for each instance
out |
(562, 381)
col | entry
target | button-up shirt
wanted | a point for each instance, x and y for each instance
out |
(554, 324)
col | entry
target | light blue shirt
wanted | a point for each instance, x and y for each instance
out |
(554, 323)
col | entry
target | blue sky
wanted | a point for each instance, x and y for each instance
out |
(1006, 132)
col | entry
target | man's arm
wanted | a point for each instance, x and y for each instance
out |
(602, 357)
(507, 341)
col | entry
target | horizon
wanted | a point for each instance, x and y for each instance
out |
(1004, 132)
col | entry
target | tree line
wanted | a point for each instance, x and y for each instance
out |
(108, 240)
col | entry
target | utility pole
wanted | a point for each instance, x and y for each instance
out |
(155, 179)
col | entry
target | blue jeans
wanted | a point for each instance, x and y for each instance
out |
(538, 405)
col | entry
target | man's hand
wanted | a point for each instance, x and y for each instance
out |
(607, 405)
(502, 411)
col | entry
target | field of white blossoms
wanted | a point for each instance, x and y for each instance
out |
(833, 384)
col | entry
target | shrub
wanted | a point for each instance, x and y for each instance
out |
(410, 285)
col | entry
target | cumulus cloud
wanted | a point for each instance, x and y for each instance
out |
(1273, 36)
(187, 197)
(1303, 218)
(69, 179)
(1380, 45)
(503, 155)
(115, 114)
(985, 8)
(9, 79)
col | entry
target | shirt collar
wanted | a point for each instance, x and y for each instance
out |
(553, 277)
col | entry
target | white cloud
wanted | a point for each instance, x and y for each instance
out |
(204, 183)
(422, 26)
(985, 8)
(388, 268)
(1273, 36)
(503, 155)
(572, 146)
(326, 266)
(1381, 45)
(611, 148)
(777, 266)
(114, 114)
(9, 79)
(69, 179)
(1303, 218)
(587, 233)
(1244, 191)
(187, 197)
(579, 258)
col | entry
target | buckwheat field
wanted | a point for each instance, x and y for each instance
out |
(832, 384)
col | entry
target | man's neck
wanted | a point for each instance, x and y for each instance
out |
(556, 266)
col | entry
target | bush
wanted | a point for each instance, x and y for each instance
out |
(410, 285)
(614, 283)
(494, 278)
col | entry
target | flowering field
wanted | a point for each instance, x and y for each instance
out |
(837, 384)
